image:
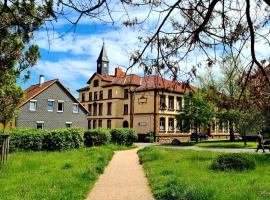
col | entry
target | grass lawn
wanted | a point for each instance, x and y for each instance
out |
(227, 144)
(176, 174)
(53, 175)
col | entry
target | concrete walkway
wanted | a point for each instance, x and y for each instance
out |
(233, 150)
(123, 179)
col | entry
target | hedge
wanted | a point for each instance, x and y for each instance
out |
(37, 140)
(124, 136)
(96, 137)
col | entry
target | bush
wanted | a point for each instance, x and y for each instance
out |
(176, 142)
(37, 140)
(150, 137)
(233, 161)
(63, 139)
(96, 137)
(124, 136)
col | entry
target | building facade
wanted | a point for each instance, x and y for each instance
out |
(50, 105)
(147, 104)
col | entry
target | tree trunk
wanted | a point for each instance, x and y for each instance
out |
(196, 132)
(232, 138)
(245, 139)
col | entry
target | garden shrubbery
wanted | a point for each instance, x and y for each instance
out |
(37, 140)
(124, 136)
(65, 139)
(233, 161)
(96, 137)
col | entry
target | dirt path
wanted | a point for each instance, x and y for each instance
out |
(123, 179)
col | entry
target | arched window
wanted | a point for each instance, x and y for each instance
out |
(125, 124)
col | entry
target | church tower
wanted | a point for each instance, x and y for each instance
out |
(103, 62)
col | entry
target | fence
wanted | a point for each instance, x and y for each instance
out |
(5, 149)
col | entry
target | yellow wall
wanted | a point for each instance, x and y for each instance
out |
(9, 125)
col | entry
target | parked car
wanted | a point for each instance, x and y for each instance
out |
(201, 136)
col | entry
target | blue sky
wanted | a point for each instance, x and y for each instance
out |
(71, 56)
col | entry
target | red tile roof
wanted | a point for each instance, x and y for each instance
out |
(34, 90)
(143, 83)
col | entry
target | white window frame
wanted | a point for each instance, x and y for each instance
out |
(33, 101)
(170, 126)
(51, 100)
(70, 123)
(60, 101)
(162, 128)
(75, 104)
(40, 122)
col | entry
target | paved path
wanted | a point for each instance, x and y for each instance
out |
(123, 179)
(236, 150)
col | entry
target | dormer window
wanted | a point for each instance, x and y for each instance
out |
(96, 83)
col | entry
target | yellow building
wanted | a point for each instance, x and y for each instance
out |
(147, 104)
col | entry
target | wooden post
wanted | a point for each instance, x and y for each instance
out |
(5, 149)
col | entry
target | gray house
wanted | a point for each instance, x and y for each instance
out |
(50, 105)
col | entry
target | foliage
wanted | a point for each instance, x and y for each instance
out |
(54, 175)
(124, 136)
(150, 137)
(233, 161)
(199, 112)
(18, 21)
(97, 137)
(37, 140)
(62, 139)
(187, 171)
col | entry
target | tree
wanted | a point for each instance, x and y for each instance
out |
(18, 21)
(199, 112)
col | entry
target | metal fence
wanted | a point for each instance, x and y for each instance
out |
(5, 148)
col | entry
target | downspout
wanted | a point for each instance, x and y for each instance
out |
(131, 109)
(155, 114)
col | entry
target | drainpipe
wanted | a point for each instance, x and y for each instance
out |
(131, 109)
(155, 114)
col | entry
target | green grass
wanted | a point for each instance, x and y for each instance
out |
(53, 175)
(227, 144)
(185, 174)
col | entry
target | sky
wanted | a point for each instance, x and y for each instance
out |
(69, 53)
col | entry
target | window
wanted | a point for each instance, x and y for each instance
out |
(90, 109)
(126, 109)
(95, 96)
(110, 94)
(213, 127)
(101, 95)
(75, 108)
(33, 105)
(109, 108)
(225, 126)
(220, 126)
(171, 124)
(94, 124)
(50, 105)
(89, 124)
(40, 125)
(171, 103)
(100, 123)
(179, 103)
(60, 106)
(94, 109)
(90, 96)
(109, 123)
(179, 125)
(100, 108)
(68, 124)
(162, 124)
(162, 102)
(96, 83)
(83, 97)
(126, 94)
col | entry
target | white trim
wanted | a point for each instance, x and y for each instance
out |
(68, 122)
(33, 101)
(60, 111)
(77, 107)
(60, 100)
(50, 100)
(42, 124)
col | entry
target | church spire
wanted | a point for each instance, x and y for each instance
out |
(103, 61)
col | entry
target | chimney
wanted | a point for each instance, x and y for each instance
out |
(41, 79)
(118, 72)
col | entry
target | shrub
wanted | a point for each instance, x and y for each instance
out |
(37, 140)
(96, 137)
(124, 136)
(150, 137)
(176, 142)
(233, 161)
(62, 139)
